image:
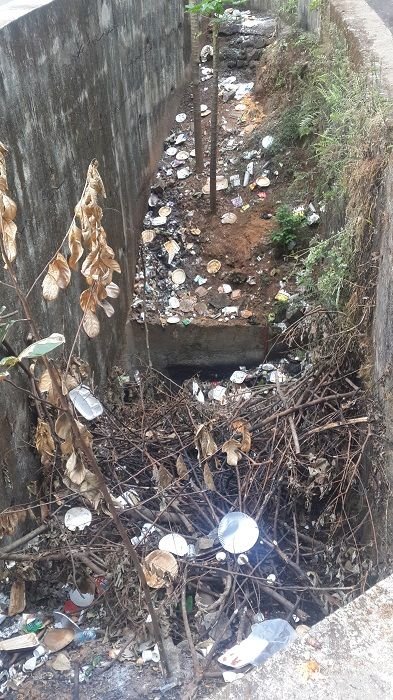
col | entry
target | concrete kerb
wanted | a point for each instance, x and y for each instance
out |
(347, 656)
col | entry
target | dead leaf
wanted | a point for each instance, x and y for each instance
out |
(181, 467)
(10, 519)
(75, 469)
(91, 324)
(240, 426)
(50, 288)
(108, 308)
(75, 245)
(63, 426)
(44, 443)
(165, 478)
(45, 382)
(17, 602)
(63, 271)
(208, 478)
(204, 443)
(159, 566)
(112, 290)
(232, 451)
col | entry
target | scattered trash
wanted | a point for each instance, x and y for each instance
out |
(218, 393)
(158, 221)
(221, 184)
(235, 180)
(171, 151)
(178, 277)
(83, 636)
(173, 319)
(206, 53)
(148, 236)
(151, 655)
(242, 559)
(183, 173)
(77, 518)
(238, 377)
(182, 155)
(237, 532)
(85, 402)
(267, 142)
(165, 211)
(23, 641)
(213, 267)
(237, 201)
(176, 544)
(262, 181)
(266, 639)
(230, 676)
(282, 296)
(229, 218)
(313, 219)
(56, 639)
(181, 117)
(158, 567)
(82, 600)
(174, 303)
(61, 663)
(172, 248)
(221, 556)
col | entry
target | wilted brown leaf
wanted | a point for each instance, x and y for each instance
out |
(181, 468)
(50, 288)
(208, 478)
(231, 449)
(204, 443)
(44, 443)
(112, 290)
(7, 207)
(75, 245)
(240, 426)
(165, 478)
(10, 519)
(9, 235)
(45, 382)
(91, 324)
(108, 308)
(75, 469)
(63, 426)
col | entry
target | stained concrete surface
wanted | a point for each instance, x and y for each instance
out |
(385, 10)
(80, 79)
(347, 656)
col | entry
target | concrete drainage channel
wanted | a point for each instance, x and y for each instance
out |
(235, 457)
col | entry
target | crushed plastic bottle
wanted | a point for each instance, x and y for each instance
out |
(84, 636)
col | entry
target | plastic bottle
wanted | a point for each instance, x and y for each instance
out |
(84, 636)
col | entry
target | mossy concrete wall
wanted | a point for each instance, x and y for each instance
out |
(80, 79)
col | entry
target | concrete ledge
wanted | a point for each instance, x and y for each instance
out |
(10, 10)
(368, 37)
(353, 651)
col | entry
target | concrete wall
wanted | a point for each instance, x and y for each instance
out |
(81, 79)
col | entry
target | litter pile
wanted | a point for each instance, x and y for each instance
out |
(191, 268)
(244, 501)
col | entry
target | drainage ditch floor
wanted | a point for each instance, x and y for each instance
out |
(224, 423)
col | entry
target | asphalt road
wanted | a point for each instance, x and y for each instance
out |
(385, 10)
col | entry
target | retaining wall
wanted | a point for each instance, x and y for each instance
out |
(80, 79)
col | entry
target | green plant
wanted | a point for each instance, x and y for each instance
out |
(290, 222)
(288, 9)
(325, 270)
